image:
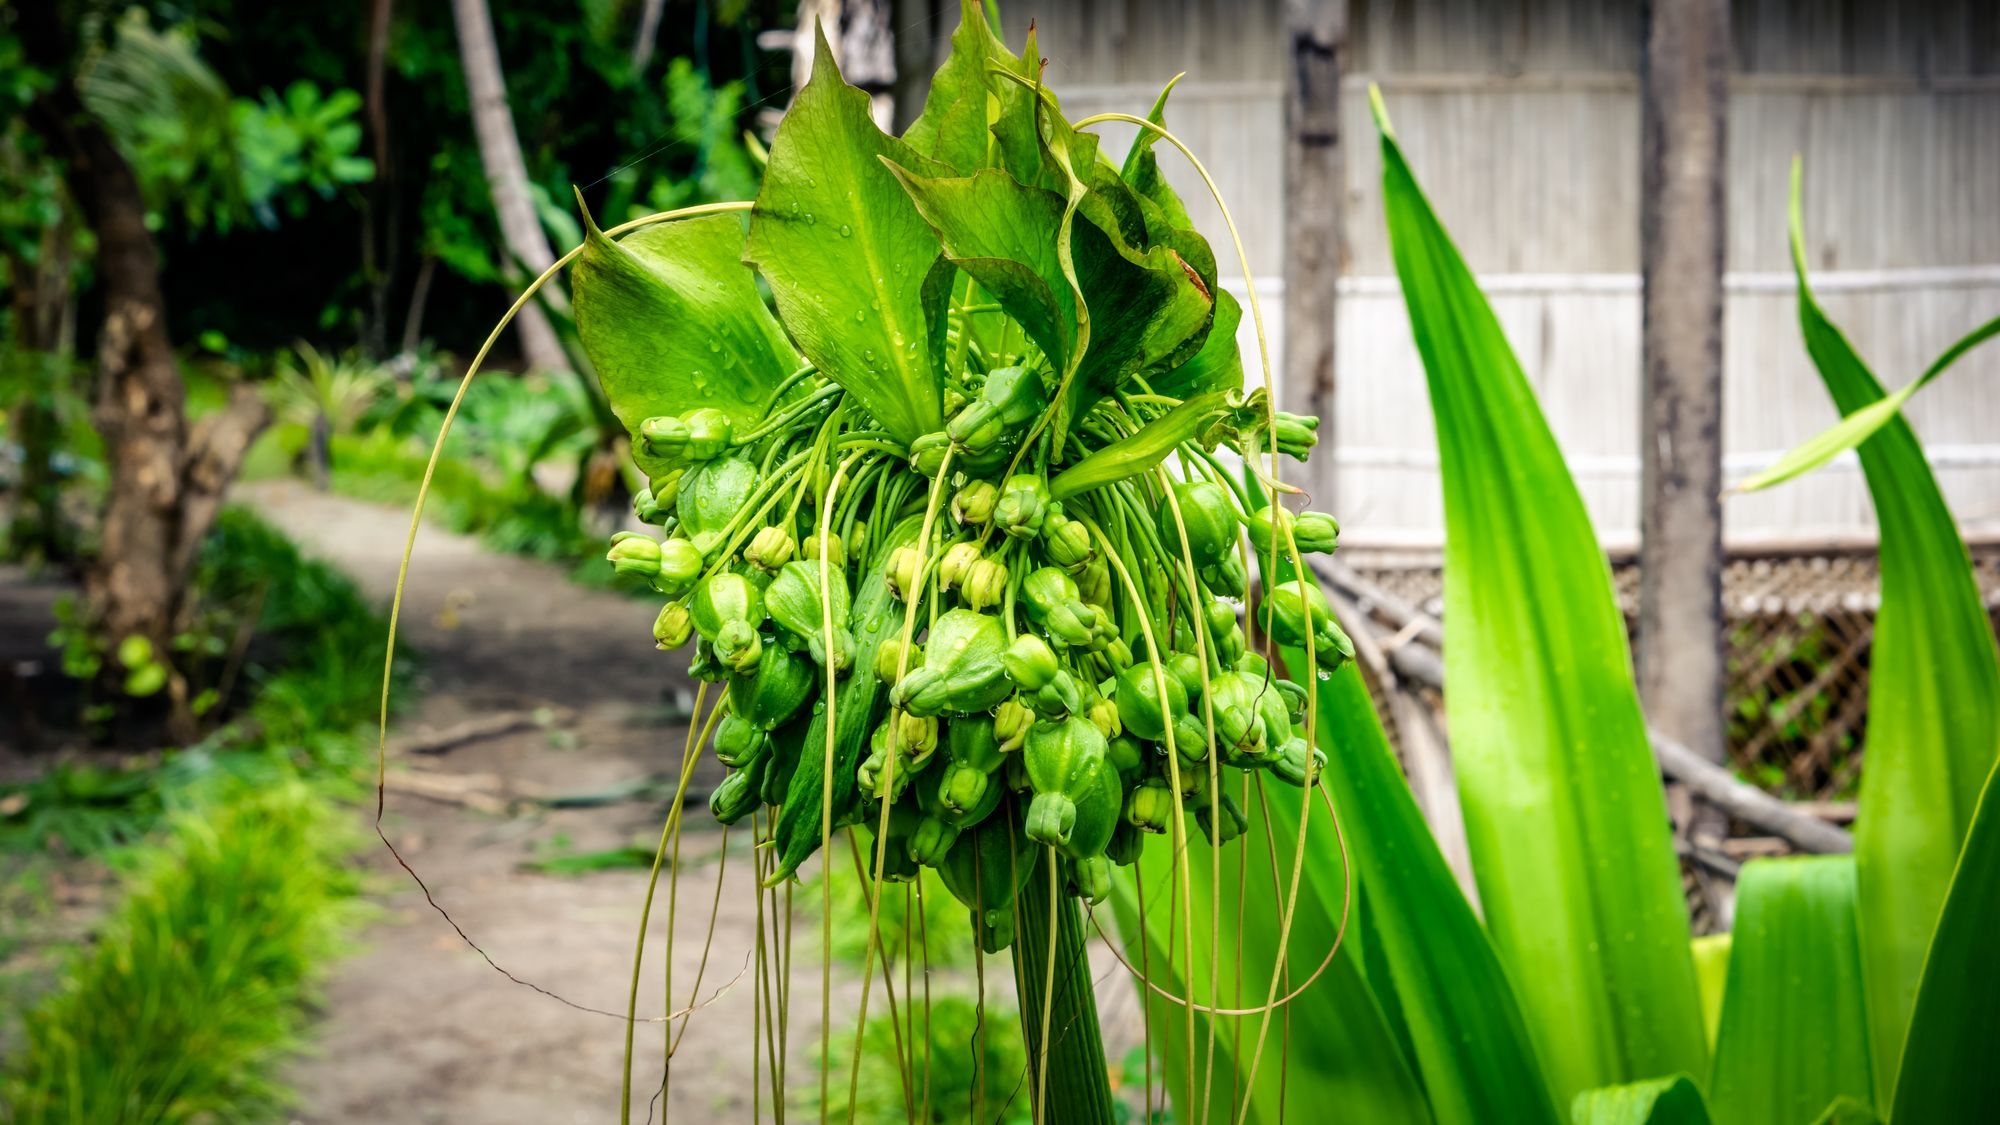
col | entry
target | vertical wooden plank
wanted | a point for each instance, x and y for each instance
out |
(1314, 181)
(1683, 92)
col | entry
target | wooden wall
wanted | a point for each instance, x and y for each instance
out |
(1521, 118)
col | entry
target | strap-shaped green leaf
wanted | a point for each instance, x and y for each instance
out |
(1847, 1111)
(1861, 425)
(1657, 1101)
(1933, 693)
(1711, 974)
(671, 321)
(1794, 1034)
(847, 255)
(1564, 811)
(1949, 1072)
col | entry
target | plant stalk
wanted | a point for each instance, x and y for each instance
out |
(1078, 1087)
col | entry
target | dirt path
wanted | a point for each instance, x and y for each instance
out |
(418, 1028)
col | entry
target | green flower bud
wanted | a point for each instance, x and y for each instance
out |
(1190, 740)
(739, 792)
(1023, 506)
(1295, 700)
(665, 437)
(1090, 878)
(770, 548)
(1053, 604)
(1011, 721)
(1030, 662)
(967, 792)
(634, 554)
(810, 551)
(1222, 823)
(647, 510)
(1233, 700)
(1011, 397)
(963, 670)
(1297, 434)
(737, 646)
(1103, 714)
(1066, 543)
(738, 741)
(1126, 846)
(1184, 667)
(1298, 764)
(724, 598)
(666, 490)
(704, 666)
(1229, 577)
(1253, 664)
(1142, 708)
(712, 494)
(1150, 806)
(904, 572)
(673, 626)
(680, 565)
(985, 584)
(1210, 518)
(1063, 760)
(974, 503)
(890, 741)
(889, 654)
(1058, 698)
(1297, 609)
(772, 690)
(958, 561)
(927, 453)
(954, 400)
(1126, 755)
(794, 601)
(1314, 532)
(1093, 582)
(917, 733)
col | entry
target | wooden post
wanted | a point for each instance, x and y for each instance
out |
(1315, 180)
(919, 24)
(1683, 96)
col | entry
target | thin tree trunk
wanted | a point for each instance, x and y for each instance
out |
(648, 35)
(167, 482)
(379, 215)
(917, 27)
(1314, 181)
(507, 175)
(1684, 93)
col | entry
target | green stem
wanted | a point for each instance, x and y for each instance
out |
(1079, 1090)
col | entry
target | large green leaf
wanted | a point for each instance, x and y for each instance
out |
(1564, 811)
(847, 255)
(1432, 968)
(1933, 694)
(1794, 1034)
(1656, 1101)
(1861, 425)
(672, 321)
(1949, 1073)
(954, 126)
(1337, 1048)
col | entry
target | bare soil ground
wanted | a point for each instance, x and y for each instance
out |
(417, 1027)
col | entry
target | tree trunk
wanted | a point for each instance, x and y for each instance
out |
(167, 481)
(1684, 91)
(40, 296)
(647, 35)
(381, 213)
(507, 175)
(918, 26)
(864, 46)
(1314, 183)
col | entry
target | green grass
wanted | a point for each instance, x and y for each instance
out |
(197, 985)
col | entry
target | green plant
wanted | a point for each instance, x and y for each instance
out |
(1579, 993)
(195, 988)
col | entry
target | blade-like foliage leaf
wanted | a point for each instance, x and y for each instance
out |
(1847, 1111)
(1948, 1071)
(1658, 1101)
(672, 321)
(1337, 1048)
(1933, 693)
(1794, 1034)
(1466, 1033)
(831, 211)
(1564, 810)
(1711, 974)
(1861, 425)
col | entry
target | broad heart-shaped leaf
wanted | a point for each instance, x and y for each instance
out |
(1794, 1033)
(1949, 1072)
(1218, 366)
(672, 321)
(847, 255)
(1339, 1050)
(1564, 810)
(1861, 425)
(1144, 304)
(1656, 1101)
(954, 128)
(1933, 694)
(1438, 972)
